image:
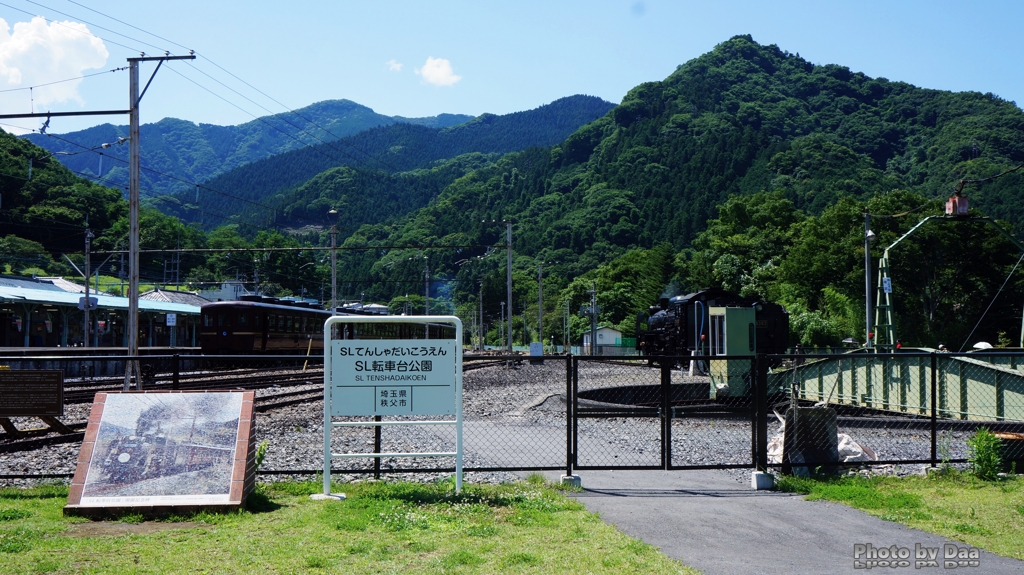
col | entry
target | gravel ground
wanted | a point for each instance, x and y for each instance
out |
(514, 417)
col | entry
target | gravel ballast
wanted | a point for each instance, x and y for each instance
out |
(514, 418)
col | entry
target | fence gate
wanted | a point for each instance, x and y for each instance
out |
(617, 412)
(662, 413)
(711, 417)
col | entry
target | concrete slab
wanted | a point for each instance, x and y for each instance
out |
(710, 521)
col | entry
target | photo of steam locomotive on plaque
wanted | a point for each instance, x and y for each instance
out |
(166, 449)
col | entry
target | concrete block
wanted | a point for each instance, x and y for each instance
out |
(761, 481)
(573, 480)
(331, 497)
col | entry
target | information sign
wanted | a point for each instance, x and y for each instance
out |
(172, 319)
(393, 377)
(367, 374)
(886, 285)
(31, 393)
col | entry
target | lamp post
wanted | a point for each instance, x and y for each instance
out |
(869, 236)
(334, 260)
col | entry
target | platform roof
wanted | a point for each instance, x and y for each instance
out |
(63, 298)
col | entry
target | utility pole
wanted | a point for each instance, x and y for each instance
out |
(508, 278)
(526, 340)
(503, 330)
(334, 261)
(85, 309)
(566, 336)
(593, 320)
(508, 241)
(426, 278)
(540, 305)
(134, 99)
(482, 332)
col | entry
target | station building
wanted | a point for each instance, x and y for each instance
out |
(45, 312)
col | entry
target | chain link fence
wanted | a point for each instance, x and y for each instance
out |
(799, 413)
(616, 408)
(909, 409)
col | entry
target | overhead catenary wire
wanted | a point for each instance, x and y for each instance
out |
(121, 69)
(69, 27)
(301, 130)
(228, 72)
(1000, 290)
(960, 185)
(263, 120)
(176, 178)
(96, 26)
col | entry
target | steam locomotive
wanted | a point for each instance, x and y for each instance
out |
(150, 454)
(697, 322)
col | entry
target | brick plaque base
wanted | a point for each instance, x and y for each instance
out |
(163, 452)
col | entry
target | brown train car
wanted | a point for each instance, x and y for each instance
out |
(261, 325)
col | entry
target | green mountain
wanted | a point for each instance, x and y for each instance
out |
(197, 152)
(740, 120)
(748, 168)
(384, 150)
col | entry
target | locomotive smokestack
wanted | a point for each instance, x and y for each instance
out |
(663, 302)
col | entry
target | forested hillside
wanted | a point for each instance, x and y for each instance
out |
(45, 211)
(198, 152)
(740, 120)
(748, 168)
(384, 150)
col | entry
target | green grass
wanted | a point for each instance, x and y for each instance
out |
(986, 514)
(382, 527)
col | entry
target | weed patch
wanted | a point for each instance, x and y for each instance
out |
(957, 505)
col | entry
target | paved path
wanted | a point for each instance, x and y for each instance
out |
(710, 521)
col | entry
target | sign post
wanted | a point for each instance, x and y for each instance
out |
(382, 365)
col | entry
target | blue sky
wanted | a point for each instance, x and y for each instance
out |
(425, 58)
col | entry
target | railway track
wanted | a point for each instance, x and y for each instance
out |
(34, 439)
(77, 392)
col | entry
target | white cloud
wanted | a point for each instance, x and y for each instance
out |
(438, 71)
(394, 66)
(37, 53)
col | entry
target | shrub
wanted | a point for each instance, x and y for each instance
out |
(984, 454)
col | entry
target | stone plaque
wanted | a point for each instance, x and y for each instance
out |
(31, 393)
(163, 451)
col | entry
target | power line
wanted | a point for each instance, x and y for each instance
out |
(171, 177)
(95, 25)
(62, 81)
(264, 121)
(68, 27)
(127, 24)
(301, 249)
(301, 130)
(264, 94)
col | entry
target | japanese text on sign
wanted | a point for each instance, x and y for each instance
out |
(362, 372)
(393, 351)
(401, 366)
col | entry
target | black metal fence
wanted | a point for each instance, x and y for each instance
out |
(800, 413)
